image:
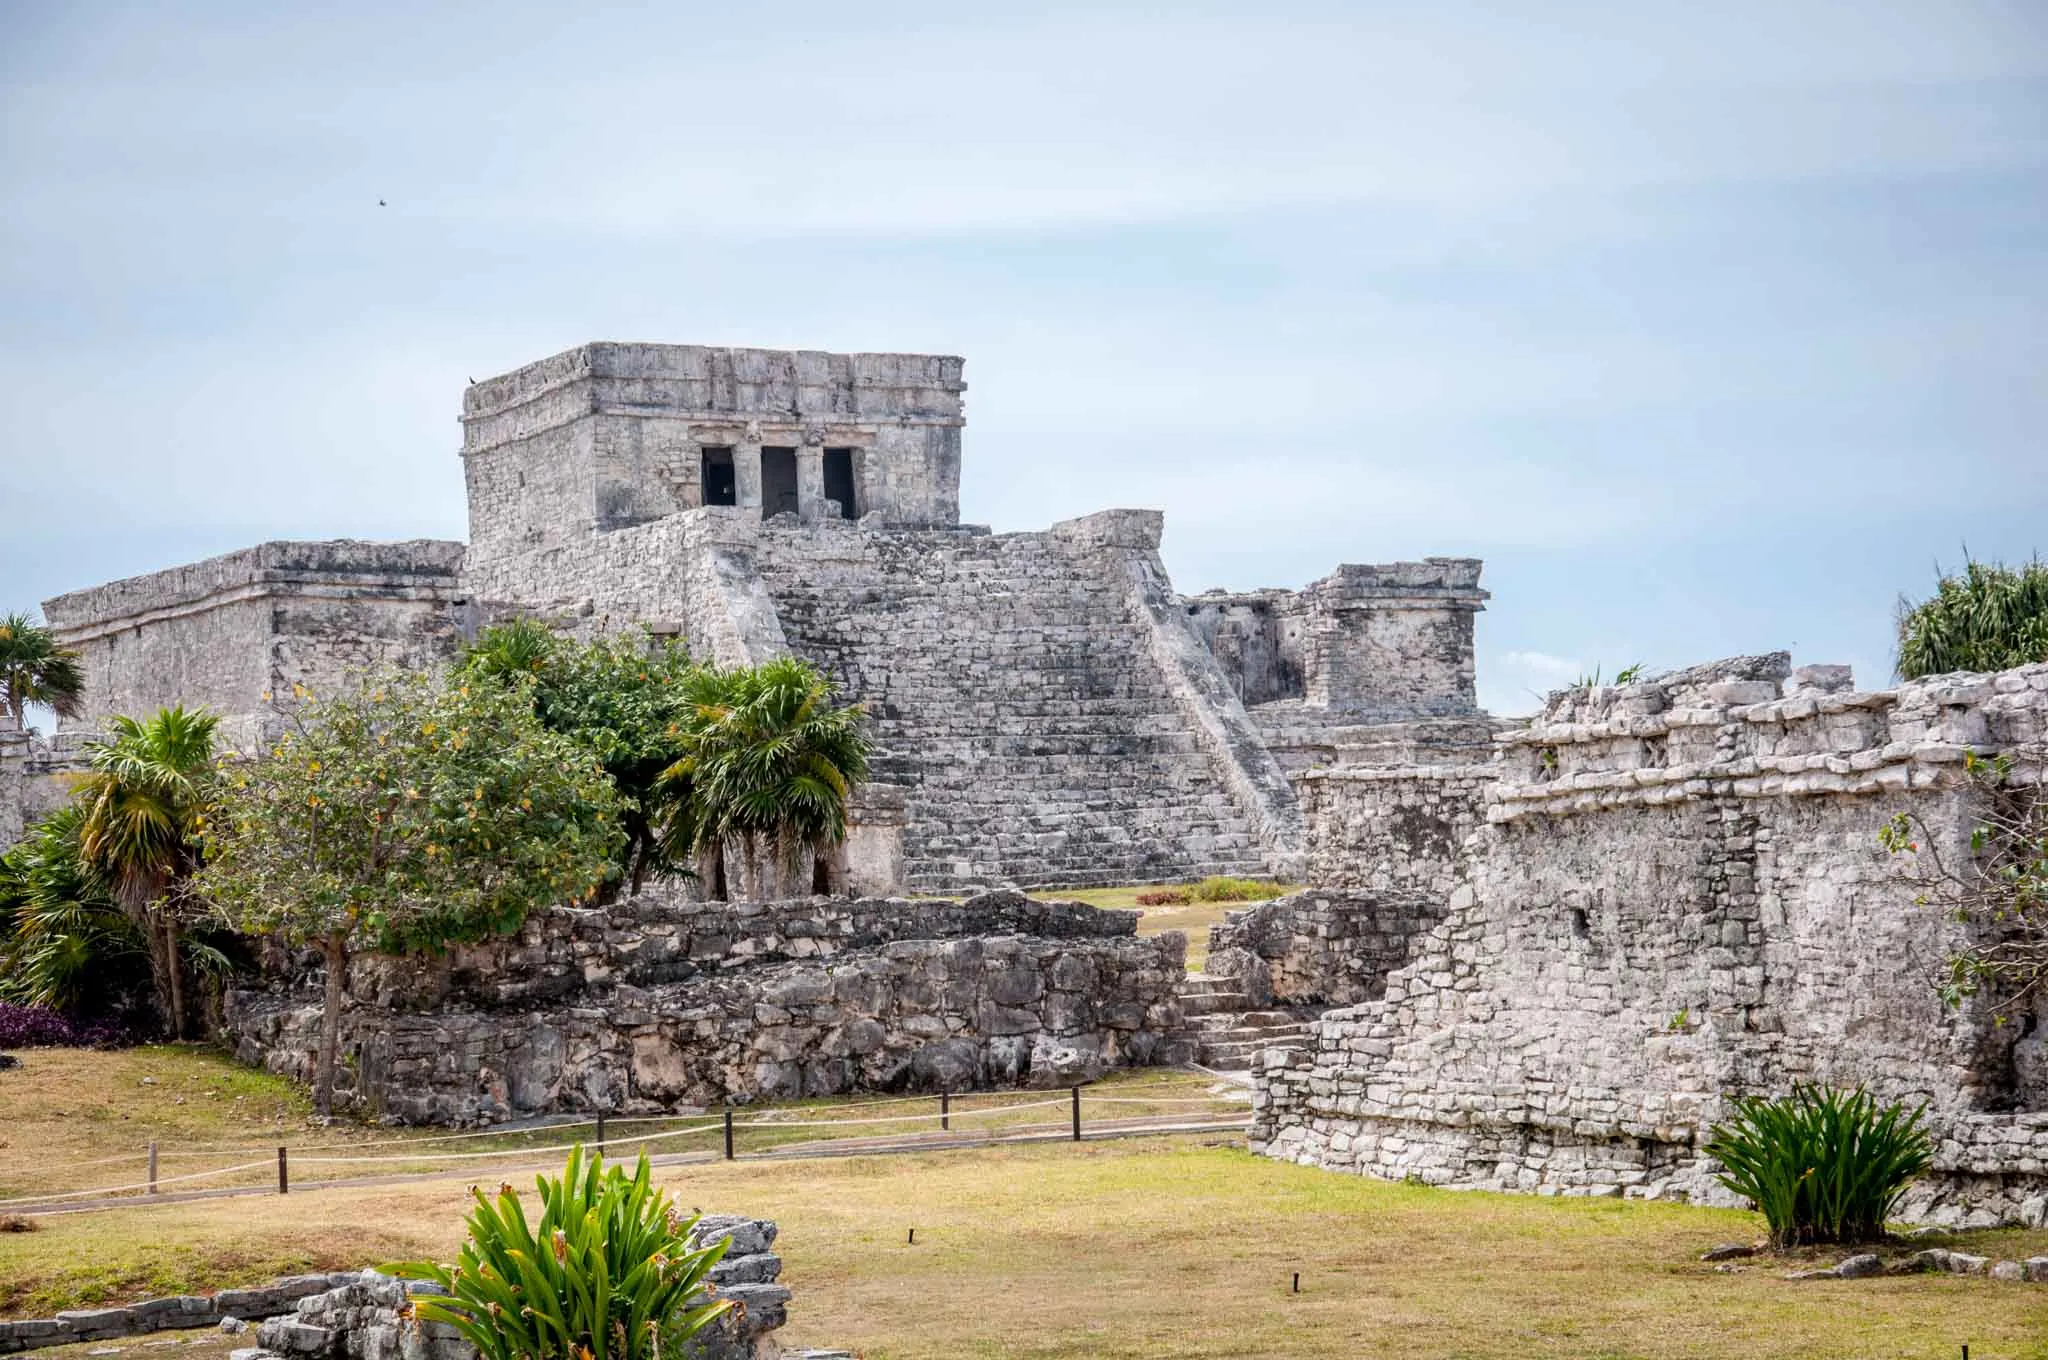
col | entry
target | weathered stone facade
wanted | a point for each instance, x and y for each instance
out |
(653, 1005)
(1676, 894)
(1049, 711)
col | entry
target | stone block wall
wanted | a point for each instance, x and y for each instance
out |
(1398, 828)
(1679, 895)
(1319, 947)
(223, 633)
(1049, 713)
(609, 435)
(656, 1006)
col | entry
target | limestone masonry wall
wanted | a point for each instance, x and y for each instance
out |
(226, 632)
(655, 1005)
(1677, 894)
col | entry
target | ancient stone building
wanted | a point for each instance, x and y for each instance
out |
(1553, 969)
(1049, 710)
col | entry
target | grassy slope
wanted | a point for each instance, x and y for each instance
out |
(1155, 1248)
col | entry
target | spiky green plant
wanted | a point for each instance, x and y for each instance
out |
(1823, 1165)
(1988, 617)
(607, 1273)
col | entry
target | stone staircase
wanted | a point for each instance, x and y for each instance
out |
(1224, 1035)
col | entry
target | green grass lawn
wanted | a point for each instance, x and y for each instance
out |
(1155, 1247)
(1194, 918)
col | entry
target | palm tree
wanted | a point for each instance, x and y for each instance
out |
(63, 942)
(771, 762)
(35, 670)
(143, 803)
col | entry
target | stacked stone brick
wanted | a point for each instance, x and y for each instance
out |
(1677, 894)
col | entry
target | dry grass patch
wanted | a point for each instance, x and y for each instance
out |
(1156, 1247)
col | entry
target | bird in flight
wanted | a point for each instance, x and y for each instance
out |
(381, 203)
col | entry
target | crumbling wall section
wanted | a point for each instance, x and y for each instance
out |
(1319, 947)
(1679, 896)
(658, 1006)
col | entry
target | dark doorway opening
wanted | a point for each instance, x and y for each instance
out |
(821, 875)
(720, 486)
(839, 481)
(778, 482)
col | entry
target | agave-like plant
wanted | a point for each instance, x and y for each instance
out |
(1822, 1165)
(607, 1273)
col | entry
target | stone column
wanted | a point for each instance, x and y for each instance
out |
(810, 483)
(746, 476)
(13, 783)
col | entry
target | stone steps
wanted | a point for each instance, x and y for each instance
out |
(1225, 1033)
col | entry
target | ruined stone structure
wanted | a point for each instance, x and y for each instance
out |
(653, 1004)
(1049, 711)
(1559, 965)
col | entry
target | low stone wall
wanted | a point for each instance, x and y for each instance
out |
(1677, 895)
(654, 1007)
(1319, 947)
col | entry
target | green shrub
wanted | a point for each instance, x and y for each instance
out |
(1988, 617)
(1219, 889)
(1822, 1165)
(608, 1272)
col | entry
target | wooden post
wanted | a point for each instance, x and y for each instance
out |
(152, 1168)
(600, 1133)
(945, 1112)
(284, 1180)
(1077, 1114)
(728, 1133)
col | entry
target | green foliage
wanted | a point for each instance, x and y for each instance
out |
(1996, 883)
(769, 759)
(405, 816)
(1627, 675)
(144, 800)
(1822, 1165)
(1987, 618)
(1223, 889)
(35, 670)
(607, 1273)
(626, 700)
(63, 942)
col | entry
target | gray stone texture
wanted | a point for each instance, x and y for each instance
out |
(1673, 893)
(654, 1006)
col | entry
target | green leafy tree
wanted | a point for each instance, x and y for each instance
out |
(143, 801)
(63, 942)
(607, 1272)
(770, 763)
(1989, 617)
(624, 698)
(35, 670)
(403, 816)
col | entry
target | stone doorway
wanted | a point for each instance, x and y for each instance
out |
(778, 482)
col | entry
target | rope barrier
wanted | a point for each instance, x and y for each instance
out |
(139, 1185)
(329, 1155)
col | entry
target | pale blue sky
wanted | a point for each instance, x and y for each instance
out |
(1711, 327)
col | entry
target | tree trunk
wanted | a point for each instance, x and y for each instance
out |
(639, 876)
(176, 979)
(335, 949)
